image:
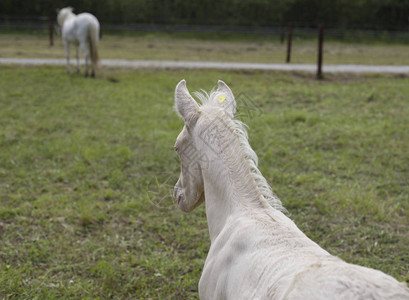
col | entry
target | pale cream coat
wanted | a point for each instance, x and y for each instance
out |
(256, 251)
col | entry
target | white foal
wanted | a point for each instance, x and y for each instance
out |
(256, 251)
(80, 30)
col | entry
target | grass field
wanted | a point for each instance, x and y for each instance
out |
(87, 169)
(261, 49)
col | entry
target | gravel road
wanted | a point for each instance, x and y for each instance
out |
(135, 64)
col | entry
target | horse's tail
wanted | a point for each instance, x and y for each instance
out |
(93, 41)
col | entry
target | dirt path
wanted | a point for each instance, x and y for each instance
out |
(217, 65)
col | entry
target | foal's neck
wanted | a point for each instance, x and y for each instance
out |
(229, 189)
(220, 203)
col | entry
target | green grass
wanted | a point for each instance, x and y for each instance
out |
(263, 49)
(87, 169)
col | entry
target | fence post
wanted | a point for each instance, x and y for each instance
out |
(320, 48)
(289, 38)
(51, 30)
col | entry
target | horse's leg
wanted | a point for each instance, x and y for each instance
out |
(86, 56)
(67, 55)
(92, 65)
(78, 58)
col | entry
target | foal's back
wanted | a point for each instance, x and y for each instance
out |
(340, 280)
(265, 256)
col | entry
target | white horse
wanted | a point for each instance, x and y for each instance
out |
(256, 251)
(80, 30)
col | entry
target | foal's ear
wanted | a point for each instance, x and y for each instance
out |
(226, 98)
(185, 105)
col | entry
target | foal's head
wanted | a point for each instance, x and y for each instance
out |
(192, 149)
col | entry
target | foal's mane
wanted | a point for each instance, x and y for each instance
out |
(239, 130)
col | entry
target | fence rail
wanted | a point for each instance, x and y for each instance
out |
(299, 30)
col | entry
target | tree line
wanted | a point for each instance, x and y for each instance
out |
(369, 14)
